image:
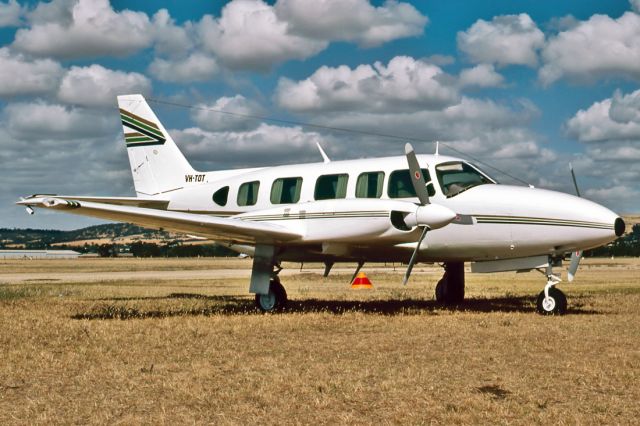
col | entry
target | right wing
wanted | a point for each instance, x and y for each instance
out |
(215, 228)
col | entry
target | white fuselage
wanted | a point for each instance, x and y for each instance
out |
(496, 221)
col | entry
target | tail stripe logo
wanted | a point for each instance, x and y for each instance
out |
(146, 132)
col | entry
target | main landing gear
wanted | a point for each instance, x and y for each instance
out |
(265, 284)
(450, 288)
(275, 300)
(551, 301)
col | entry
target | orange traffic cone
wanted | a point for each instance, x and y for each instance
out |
(361, 281)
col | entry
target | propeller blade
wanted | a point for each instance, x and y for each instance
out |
(576, 255)
(573, 176)
(416, 175)
(573, 266)
(412, 261)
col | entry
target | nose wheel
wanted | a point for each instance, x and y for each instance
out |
(555, 303)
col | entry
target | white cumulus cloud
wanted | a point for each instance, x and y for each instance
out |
(250, 35)
(598, 47)
(404, 83)
(505, 40)
(40, 120)
(91, 29)
(209, 117)
(22, 76)
(351, 20)
(616, 118)
(265, 145)
(482, 75)
(96, 85)
(170, 39)
(195, 67)
(10, 13)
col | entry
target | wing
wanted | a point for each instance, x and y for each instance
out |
(152, 203)
(216, 228)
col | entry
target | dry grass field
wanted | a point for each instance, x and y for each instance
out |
(155, 341)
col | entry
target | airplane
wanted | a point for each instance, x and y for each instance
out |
(411, 208)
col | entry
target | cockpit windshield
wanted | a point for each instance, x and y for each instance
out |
(457, 177)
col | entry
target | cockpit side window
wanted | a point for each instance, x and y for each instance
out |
(457, 177)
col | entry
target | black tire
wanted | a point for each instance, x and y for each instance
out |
(450, 289)
(275, 300)
(556, 305)
(440, 289)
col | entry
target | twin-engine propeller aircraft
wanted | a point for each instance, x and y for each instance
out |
(412, 208)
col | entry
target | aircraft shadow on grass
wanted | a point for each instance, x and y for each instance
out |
(233, 305)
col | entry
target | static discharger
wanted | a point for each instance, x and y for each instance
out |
(361, 281)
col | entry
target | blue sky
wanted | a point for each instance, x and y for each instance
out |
(526, 86)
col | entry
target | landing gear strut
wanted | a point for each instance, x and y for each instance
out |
(450, 288)
(265, 284)
(551, 301)
(275, 300)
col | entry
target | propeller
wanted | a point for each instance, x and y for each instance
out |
(429, 216)
(576, 255)
(416, 175)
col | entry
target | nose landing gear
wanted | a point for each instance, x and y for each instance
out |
(551, 300)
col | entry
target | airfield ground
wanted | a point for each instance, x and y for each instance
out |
(128, 341)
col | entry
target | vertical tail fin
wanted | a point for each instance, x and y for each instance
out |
(157, 165)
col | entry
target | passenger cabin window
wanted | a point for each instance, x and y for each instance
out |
(248, 193)
(369, 185)
(400, 185)
(286, 190)
(457, 177)
(220, 196)
(330, 187)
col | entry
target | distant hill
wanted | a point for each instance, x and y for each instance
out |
(117, 239)
(631, 219)
(116, 233)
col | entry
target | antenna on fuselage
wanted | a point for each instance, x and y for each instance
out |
(324, 154)
(437, 148)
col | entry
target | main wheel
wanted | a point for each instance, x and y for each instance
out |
(275, 300)
(555, 304)
(450, 289)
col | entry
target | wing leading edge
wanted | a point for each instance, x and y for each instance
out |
(216, 228)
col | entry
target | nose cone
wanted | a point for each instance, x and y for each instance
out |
(619, 226)
(544, 220)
